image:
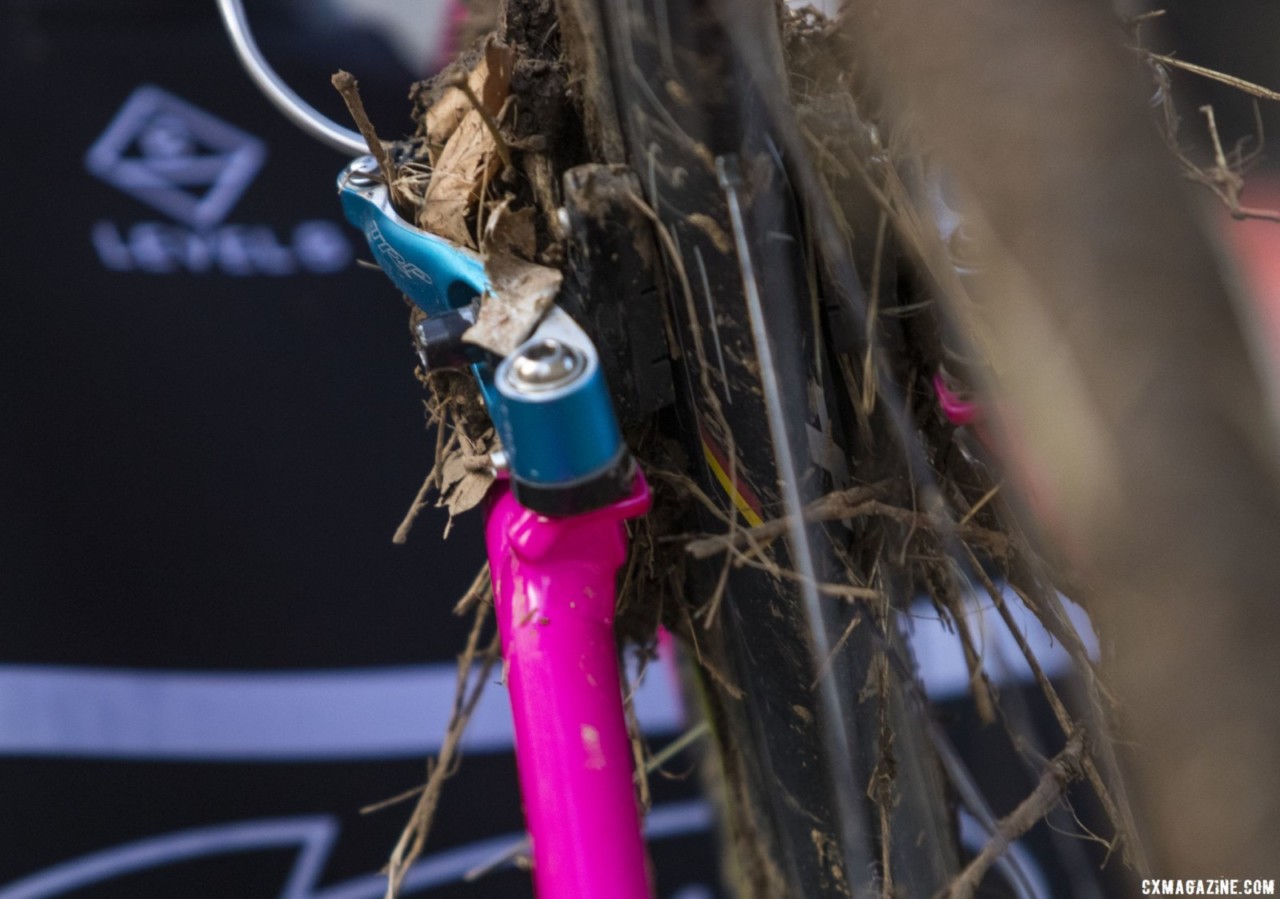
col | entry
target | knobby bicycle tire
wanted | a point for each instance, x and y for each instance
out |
(1119, 265)
(796, 747)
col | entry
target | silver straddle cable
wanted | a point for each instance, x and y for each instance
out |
(296, 109)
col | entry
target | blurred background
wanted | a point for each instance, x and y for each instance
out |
(212, 656)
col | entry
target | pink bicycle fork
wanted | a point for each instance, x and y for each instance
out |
(554, 590)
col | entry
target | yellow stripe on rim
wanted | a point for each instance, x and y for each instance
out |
(730, 488)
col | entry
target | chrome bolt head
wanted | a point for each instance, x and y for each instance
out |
(545, 365)
(363, 173)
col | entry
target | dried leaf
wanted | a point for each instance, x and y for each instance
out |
(490, 81)
(463, 486)
(469, 157)
(510, 232)
(520, 294)
(444, 117)
(500, 60)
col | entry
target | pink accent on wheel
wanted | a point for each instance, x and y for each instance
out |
(554, 591)
(959, 412)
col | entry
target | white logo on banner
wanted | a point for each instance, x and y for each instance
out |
(176, 158)
(194, 168)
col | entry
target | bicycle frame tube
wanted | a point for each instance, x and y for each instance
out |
(554, 592)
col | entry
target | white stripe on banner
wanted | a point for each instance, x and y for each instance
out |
(271, 716)
(387, 712)
(940, 657)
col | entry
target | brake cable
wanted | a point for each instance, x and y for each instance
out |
(283, 97)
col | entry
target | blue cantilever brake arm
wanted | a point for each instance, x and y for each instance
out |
(440, 277)
(563, 445)
(436, 274)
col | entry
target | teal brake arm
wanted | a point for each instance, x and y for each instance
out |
(436, 274)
